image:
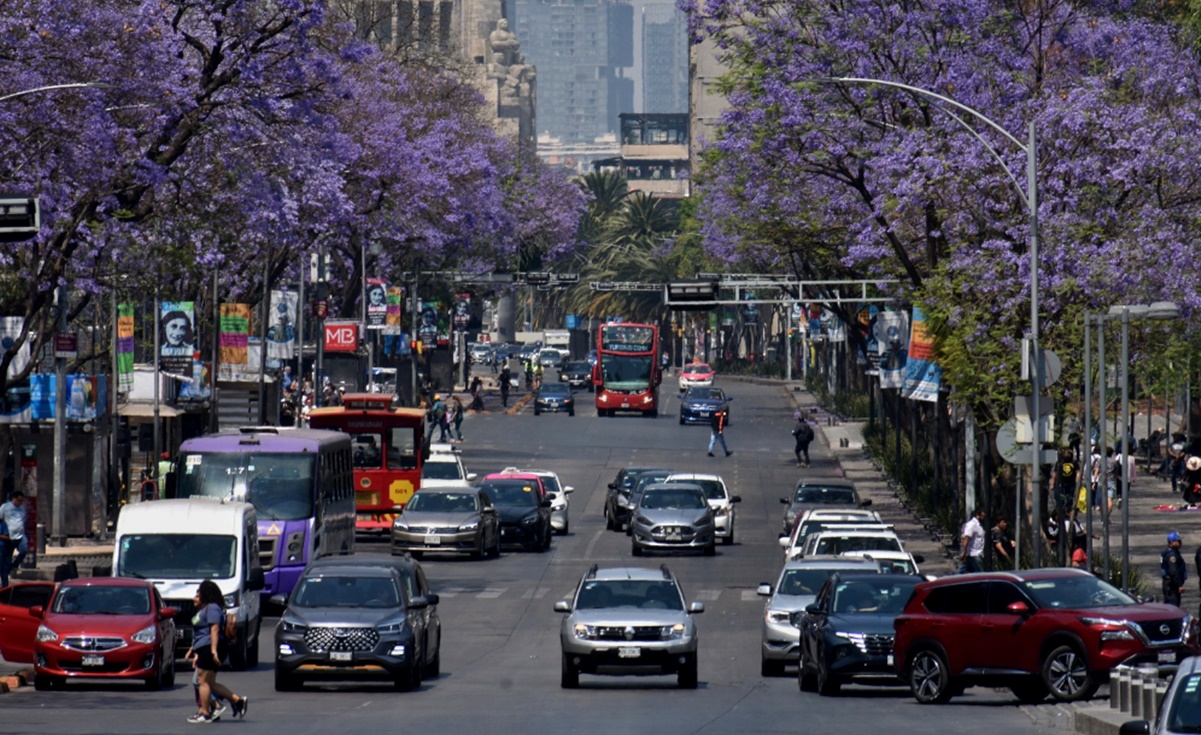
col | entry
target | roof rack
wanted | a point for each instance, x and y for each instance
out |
(666, 571)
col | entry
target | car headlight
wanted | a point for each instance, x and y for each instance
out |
(584, 632)
(642, 520)
(859, 640)
(400, 525)
(390, 628)
(145, 635)
(721, 512)
(231, 600)
(469, 526)
(45, 635)
(530, 519)
(672, 632)
(291, 626)
(558, 504)
(778, 617)
(704, 521)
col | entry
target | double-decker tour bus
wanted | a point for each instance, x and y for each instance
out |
(627, 371)
(299, 481)
(385, 447)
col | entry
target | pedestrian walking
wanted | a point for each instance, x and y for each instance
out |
(477, 394)
(13, 515)
(1190, 481)
(971, 550)
(505, 379)
(1067, 475)
(717, 426)
(209, 648)
(1171, 567)
(1003, 546)
(457, 418)
(803, 434)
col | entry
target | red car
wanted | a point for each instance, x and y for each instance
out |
(91, 628)
(696, 374)
(1038, 632)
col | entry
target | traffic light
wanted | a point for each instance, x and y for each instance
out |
(692, 295)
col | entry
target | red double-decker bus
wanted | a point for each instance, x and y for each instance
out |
(386, 450)
(627, 370)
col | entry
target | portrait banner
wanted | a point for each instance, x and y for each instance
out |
(281, 333)
(177, 337)
(892, 336)
(377, 303)
(235, 331)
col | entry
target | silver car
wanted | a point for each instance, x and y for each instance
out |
(628, 620)
(1180, 710)
(557, 492)
(453, 519)
(674, 517)
(720, 500)
(796, 587)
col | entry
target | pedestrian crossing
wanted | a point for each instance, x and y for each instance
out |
(540, 592)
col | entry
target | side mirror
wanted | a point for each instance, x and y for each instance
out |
(865, 503)
(919, 559)
(432, 598)
(1135, 727)
(168, 613)
(736, 499)
(37, 611)
(545, 503)
(696, 607)
(784, 542)
(814, 609)
(563, 606)
(568, 489)
(419, 603)
(278, 600)
(764, 589)
(254, 580)
(1018, 608)
(471, 476)
(785, 501)
(612, 486)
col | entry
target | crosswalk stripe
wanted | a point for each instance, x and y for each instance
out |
(451, 591)
(750, 595)
(491, 593)
(708, 595)
(535, 593)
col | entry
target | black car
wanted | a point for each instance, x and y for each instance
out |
(554, 398)
(847, 633)
(524, 510)
(619, 504)
(352, 617)
(700, 403)
(577, 374)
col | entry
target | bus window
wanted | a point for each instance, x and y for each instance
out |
(366, 451)
(402, 449)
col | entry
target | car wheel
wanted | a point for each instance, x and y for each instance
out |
(570, 677)
(711, 549)
(1029, 692)
(155, 683)
(240, 655)
(1066, 676)
(681, 421)
(608, 520)
(571, 412)
(408, 681)
(169, 678)
(496, 545)
(827, 685)
(635, 549)
(286, 682)
(565, 526)
(252, 653)
(686, 676)
(653, 413)
(536, 411)
(416, 554)
(929, 679)
(771, 667)
(806, 681)
(434, 668)
(729, 540)
(478, 551)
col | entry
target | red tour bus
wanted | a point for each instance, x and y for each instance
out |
(386, 446)
(627, 370)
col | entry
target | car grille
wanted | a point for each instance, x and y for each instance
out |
(321, 640)
(1162, 631)
(629, 633)
(267, 552)
(82, 643)
(680, 533)
(435, 530)
(872, 645)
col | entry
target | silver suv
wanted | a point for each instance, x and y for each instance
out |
(628, 620)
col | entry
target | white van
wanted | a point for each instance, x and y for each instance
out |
(177, 544)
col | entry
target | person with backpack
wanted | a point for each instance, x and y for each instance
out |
(803, 434)
(437, 419)
(210, 646)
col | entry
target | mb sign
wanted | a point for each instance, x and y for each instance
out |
(341, 337)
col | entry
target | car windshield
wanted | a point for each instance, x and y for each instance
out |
(177, 556)
(841, 544)
(805, 581)
(1076, 592)
(634, 593)
(1184, 714)
(441, 471)
(556, 390)
(100, 600)
(813, 495)
(327, 590)
(280, 486)
(704, 394)
(512, 492)
(714, 489)
(443, 503)
(626, 372)
(577, 367)
(872, 595)
(696, 369)
(673, 500)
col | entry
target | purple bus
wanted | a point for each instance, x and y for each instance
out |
(300, 482)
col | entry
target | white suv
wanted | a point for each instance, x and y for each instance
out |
(444, 468)
(720, 501)
(817, 520)
(841, 540)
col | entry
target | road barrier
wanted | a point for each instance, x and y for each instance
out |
(1136, 691)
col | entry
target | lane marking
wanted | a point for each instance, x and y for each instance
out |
(491, 593)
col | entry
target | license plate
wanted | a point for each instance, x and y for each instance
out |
(703, 413)
(1167, 657)
(93, 660)
(629, 652)
(433, 540)
(673, 537)
(625, 405)
(340, 655)
(889, 660)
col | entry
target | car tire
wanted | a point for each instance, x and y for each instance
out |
(571, 413)
(1030, 692)
(681, 421)
(1065, 674)
(827, 685)
(155, 683)
(536, 411)
(711, 549)
(169, 677)
(479, 551)
(496, 545)
(729, 540)
(239, 655)
(285, 682)
(635, 549)
(252, 652)
(771, 667)
(409, 680)
(416, 554)
(686, 677)
(570, 676)
(805, 679)
(565, 527)
(434, 668)
(929, 678)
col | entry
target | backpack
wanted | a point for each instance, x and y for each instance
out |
(803, 433)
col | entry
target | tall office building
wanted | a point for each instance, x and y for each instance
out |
(580, 48)
(664, 58)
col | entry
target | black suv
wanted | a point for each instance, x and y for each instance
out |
(352, 617)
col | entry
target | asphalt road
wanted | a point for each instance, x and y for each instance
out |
(500, 660)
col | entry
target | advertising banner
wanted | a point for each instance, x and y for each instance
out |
(395, 299)
(377, 303)
(124, 348)
(281, 333)
(177, 337)
(235, 331)
(892, 336)
(922, 374)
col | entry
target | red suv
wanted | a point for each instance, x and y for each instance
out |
(1038, 632)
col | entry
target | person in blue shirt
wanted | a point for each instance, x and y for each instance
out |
(13, 515)
(1172, 568)
(209, 649)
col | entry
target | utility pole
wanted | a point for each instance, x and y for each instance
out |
(59, 535)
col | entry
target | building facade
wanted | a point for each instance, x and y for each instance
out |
(664, 59)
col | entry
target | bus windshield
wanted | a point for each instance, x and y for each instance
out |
(280, 486)
(626, 372)
(177, 556)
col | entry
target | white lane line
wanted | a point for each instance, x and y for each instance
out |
(535, 593)
(491, 593)
(451, 591)
(750, 595)
(708, 595)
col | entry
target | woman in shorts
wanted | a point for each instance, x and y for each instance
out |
(209, 649)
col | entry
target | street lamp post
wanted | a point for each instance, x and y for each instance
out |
(1030, 199)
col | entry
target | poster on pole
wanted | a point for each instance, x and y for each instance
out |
(281, 333)
(177, 337)
(377, 303)
(892, 336)
(923, 374)
(235, 331)
(395, 301)
(124, 348)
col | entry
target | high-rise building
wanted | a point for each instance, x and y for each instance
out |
(580, 48)
(664, 59)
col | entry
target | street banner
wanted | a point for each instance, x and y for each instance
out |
(177, 337)
(922, 373)
(86, 397)
(198, 388)
(235, 331)
(395, 300)
(892, 336)
(377, 303)
(462, 310)
(430, 327)
(124, 348)
(281, 334)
